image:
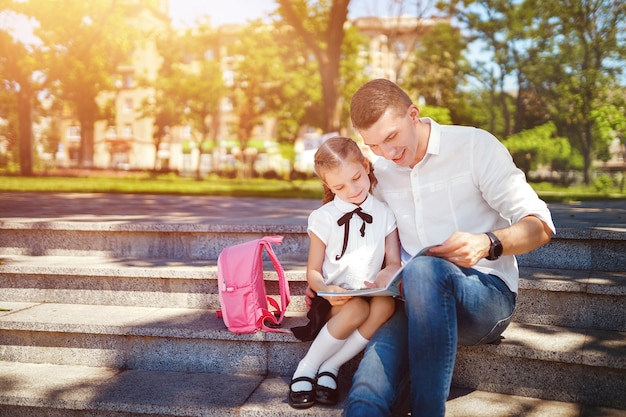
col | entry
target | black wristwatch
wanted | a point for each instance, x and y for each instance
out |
(495, 250)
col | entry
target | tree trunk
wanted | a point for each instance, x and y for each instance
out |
(330, 89)
(326, 47)
(25, 111)
(86, 143)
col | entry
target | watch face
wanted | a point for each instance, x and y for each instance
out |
(497, 250)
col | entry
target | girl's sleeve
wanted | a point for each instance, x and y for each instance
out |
(320, 225)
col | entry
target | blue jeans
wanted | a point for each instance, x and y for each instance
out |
(444, 305)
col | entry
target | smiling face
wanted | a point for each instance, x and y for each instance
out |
(389, 123)
(350, 181)
(396, 136)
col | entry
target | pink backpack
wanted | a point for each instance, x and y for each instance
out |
(241, 285)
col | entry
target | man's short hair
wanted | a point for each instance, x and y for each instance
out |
(373, 98)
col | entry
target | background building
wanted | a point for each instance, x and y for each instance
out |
(127, 142)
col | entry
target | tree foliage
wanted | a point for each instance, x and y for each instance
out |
(581, 62)
(320, 24)
(541, 61)
(538, 146)
(24, 70)
(81, 45)
(563, 60)
(438, 68)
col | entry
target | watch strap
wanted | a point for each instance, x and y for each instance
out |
(495, 250)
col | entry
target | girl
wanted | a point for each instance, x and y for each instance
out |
(351, 236)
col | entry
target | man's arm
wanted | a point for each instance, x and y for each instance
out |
(466, 249)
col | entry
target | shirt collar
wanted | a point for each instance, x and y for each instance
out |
(434, 140)
(347, 207)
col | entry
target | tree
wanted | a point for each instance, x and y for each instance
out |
(85, 42)
(538, 146)
(159, 104)
(494, 24)
(258, 71)
(564, 58)
(23, 70)
(438, 68)
(586, 54)
(187, 88)
(321, 27)
(200, 85)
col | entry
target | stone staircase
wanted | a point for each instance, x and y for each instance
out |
(118, 319)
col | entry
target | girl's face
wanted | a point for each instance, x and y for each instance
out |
(349, 182)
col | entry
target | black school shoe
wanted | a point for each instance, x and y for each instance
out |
(325, 395)
(302, 399)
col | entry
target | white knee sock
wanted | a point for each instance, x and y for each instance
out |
(324, 346)
(353, 345)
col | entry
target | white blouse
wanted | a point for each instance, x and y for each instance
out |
(364, 255)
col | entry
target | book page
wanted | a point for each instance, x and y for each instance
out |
(392, 289)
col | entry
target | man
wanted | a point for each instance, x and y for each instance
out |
(458, 189)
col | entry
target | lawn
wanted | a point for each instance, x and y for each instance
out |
(149, 183)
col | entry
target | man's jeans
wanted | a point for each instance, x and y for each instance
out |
(444, 306)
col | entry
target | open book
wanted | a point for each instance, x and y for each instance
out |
(392, 289)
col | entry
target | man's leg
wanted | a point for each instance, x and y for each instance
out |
(377, 381)
(446, 305)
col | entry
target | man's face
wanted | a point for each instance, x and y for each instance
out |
(394, 137)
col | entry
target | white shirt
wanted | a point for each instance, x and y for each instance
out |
(364, 256)
(466, 182)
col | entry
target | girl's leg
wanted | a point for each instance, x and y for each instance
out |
(330, 339)
(381, 308)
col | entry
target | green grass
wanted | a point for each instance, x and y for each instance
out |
(144, 183)
(148, 183)
(555, 193)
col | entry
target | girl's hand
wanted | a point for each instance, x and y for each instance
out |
(336, 300)
(383, 278)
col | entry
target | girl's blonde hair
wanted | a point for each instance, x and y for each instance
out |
(335, 152)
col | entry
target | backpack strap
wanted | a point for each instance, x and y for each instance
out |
(285, 297)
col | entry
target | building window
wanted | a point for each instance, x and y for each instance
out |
(229, 78)
(227, 105)
(73, 133)
(127, 131)
(111, 132)
(186, 134)
(128, 105)
(129, 81)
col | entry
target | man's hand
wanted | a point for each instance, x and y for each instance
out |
(466, 249)
(463, 249)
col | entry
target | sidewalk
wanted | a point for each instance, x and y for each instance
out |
(77, 207)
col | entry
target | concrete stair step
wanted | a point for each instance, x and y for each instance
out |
(175, 339)
(550, 362)
(128, 281)
(571, 298)
(142, 240)
(594, 248)
(114, 316)
(48, 390)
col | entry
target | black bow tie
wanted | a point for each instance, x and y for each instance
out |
(345, 222)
